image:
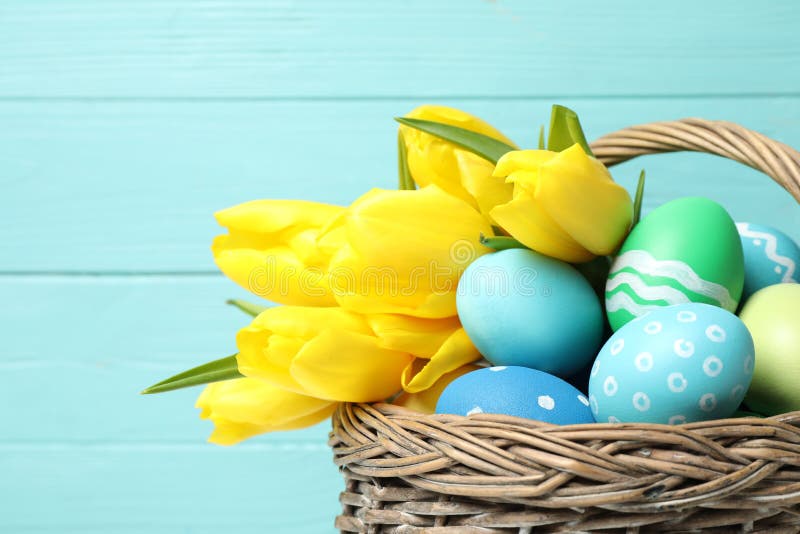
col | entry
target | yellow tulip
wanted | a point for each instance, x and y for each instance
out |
(439, 346)
(405, 251)
(299, 363)
(272, 249)
(326, 353)
(421, 337)
(565, 204)
(461, 173)
(245, 407)
(425, 401)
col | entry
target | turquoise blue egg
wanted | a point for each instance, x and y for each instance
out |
(520, 307)
(517, 391)
(678, 364)
(770, 257)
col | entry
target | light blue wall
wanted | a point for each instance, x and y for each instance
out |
(125, 124)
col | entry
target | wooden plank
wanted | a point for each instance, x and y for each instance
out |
(249, 48)
(78, 440)
(163, 490)
(80, 349)
(130, 187)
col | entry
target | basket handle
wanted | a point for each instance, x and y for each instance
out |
(777, 160)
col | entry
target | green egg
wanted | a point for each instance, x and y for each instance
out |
(687, 250)
(772, 315)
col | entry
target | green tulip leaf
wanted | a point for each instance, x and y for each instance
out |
(637, 201)
(565, 131)
(406, 182)
(484, 146)
(500, 242)
(216, 371)
(247, 307)
(541, 137)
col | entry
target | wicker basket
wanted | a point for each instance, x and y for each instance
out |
(411, 473)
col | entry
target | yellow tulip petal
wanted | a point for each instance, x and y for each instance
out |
(368, 289)
(413, 335)
(458, 350)
(434, 161)
(578, 192)
(522, 159)
(245, 407)
(527, 222)
(308, 420)
(231, 432)
(406, 251)
(302, 321)
(425, 401)
(477, 179)
(273, 339)
(457, 117)
(271, 216)
(524, 180)
(345, 366)
(254, 360)
(333, 236)
(271, 249)
(275, 274)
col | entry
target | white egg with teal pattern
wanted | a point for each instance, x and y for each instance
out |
(687, 250)
(677, 364)
(770, 257)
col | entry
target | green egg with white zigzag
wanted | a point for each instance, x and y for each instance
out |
(687, 250)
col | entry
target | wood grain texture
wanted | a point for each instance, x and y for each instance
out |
(84, 347)
(357, 49)
(124, 125)
(129, 187)
(168, 489)
(79, 440)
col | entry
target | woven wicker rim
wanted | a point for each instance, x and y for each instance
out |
(729, 140)
(407, 472)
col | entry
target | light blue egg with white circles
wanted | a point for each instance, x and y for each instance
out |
(517, 391)
(520, 307)
(676, 364)
(770, 257)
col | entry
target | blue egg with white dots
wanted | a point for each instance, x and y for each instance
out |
(770, 257)
(675, 364)
(517, 391)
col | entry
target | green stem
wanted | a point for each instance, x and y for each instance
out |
(405, 181)
(637, 202)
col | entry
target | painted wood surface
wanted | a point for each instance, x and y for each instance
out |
(151, 174)
(366, 50)
(124, 125)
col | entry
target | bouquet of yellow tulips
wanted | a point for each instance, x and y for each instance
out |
(366, 294)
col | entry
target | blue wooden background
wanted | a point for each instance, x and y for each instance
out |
(125, 124)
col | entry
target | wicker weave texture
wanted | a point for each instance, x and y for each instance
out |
(777, 160)
(410, 473)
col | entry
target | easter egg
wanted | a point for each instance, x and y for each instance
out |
(773, 317)
(677, 364)
(770, 257)
(687, 250)
(520, 307)
(517, 391)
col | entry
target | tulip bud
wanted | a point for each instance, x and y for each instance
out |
(272, 250)
(245, 407)
(405, 251)
(565, 204)
(327, 353)
(434, 161)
